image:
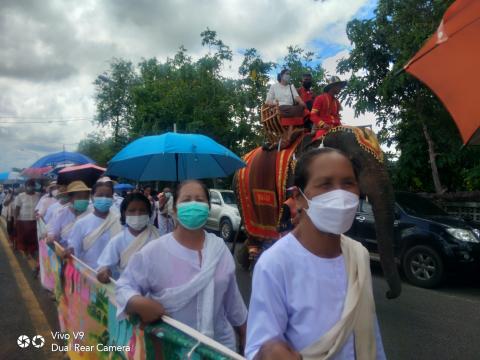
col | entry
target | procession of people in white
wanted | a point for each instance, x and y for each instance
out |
(311, 291)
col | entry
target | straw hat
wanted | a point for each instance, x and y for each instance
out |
(77, 186)
(332, 81)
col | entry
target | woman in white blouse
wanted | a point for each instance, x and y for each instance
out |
(188, 274)
(283, 92)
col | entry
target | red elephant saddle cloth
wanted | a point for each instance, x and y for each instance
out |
(261, 188)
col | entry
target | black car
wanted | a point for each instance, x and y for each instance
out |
(428, 241)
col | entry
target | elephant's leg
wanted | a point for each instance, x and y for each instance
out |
(375, 184)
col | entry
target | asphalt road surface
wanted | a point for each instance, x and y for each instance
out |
(421, 324)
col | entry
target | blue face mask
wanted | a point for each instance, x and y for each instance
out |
(192, 215)
(102, 204)
(80, 205)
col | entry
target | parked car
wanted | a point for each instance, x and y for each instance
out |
(224, 216)
(428, 241)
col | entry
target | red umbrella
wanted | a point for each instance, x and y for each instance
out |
(448, 64)
(36, 173)
(87, 173)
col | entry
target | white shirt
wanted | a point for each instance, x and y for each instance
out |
(45, 202)
(297, 297)
(63, 217)
(117, 202)
(27, 205)
(80, 230)
(110, 256)
(51, 211)
(165, 263)
(281, 93)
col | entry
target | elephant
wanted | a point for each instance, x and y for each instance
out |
(361, 146)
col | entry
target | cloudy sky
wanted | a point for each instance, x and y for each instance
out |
(52, 50)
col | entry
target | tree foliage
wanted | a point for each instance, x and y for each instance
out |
(133, 101)
(408, 112)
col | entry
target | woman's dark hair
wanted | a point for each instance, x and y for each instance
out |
(108, 184)
(183, 183)
(279, 76)
(302, 173)
(130, 198)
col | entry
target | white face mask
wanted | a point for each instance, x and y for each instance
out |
(54, 193)
(137, 222)
(332, 212)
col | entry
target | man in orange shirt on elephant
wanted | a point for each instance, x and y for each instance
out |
(326, 108)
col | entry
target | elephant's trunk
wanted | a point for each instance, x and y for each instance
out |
(383, 204)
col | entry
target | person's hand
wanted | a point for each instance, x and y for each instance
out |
(67, 253)
(149, 310)
(104, 275)
(276, 349)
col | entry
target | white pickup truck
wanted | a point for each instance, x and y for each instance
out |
(224, 216)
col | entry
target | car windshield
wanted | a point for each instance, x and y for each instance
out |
(229, 198)
(418, 206)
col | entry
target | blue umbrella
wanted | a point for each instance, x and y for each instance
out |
(123, 187)
(10, 178)
(174, 157)
(62, 157)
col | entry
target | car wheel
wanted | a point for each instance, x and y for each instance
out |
(226, 230)
(423, 266)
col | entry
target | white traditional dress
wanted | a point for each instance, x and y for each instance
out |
(61, 225)
(45, 202)
(51, 211)
(172, 274)
(119, 249)
(91, 234)
(297, 297)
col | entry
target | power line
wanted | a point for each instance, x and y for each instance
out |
(10, 116)
(42, 122)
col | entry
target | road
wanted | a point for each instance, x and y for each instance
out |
(421, 324)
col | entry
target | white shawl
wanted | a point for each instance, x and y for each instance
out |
(66, 229)
(358, 312)
(150, 232)
(202, 284)
(111, 222)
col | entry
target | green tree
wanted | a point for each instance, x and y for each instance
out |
(431, 156)
(154, 96)
(114, 98)
(250, 93)
(299, 62)
(99, 147)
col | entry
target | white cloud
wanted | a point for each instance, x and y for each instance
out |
(52, 51)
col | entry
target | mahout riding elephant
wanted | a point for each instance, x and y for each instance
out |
(361, 145)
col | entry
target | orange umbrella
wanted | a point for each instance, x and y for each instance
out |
(449, 64)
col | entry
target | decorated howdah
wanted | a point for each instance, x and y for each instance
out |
(89, 328)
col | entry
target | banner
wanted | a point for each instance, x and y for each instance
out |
(90, 329)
